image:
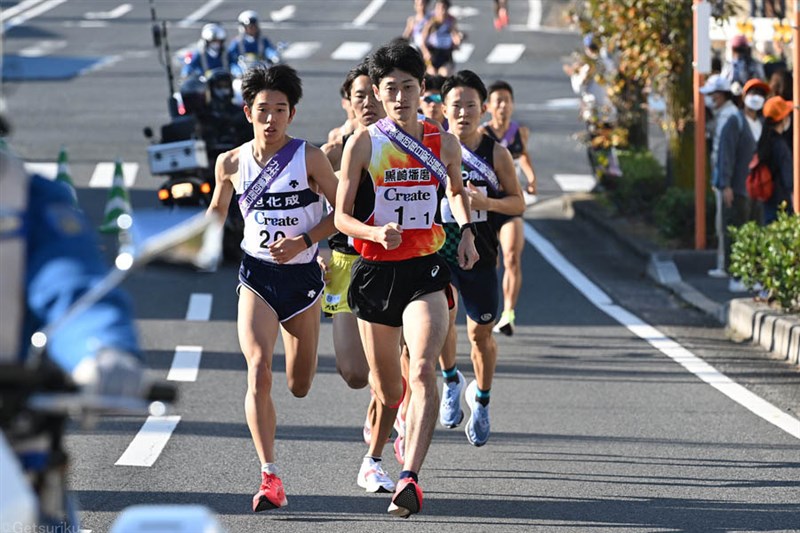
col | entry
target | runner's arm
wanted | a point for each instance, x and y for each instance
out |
(510, 204)
(355, 158)
(525, 162)
(225, 169)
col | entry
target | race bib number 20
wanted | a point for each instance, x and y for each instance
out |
(411, 207)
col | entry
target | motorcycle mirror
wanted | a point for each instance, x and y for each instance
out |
(148, 132)
(184, 236)
(156, 36)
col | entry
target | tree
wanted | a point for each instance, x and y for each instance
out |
(651, 42)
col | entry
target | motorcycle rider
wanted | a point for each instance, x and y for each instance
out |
(210, 53)
(250, 46)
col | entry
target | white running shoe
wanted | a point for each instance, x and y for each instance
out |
(373, 478)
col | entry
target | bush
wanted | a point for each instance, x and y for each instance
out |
(641, 185)
(673, 215)
(769, 255)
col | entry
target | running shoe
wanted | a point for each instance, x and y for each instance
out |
(400, 450)
(477, 428)
(400, 424)
(407, 499)
(450, 412)
(271, 494)
(506, 324)
(373, 478)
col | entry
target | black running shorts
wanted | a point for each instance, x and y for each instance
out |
(380, 290)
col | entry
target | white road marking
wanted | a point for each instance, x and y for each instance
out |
(300, 50)
(43, 48)
(103, 175)
(658, 340)
(372, 8)
(464, 51)
(199, 306)
(549, 105)
(351, 51)
(46, 170)
(31, 13)
(148, 444)
(460, 12)
(115, 13)
(534, 14)
(185, 363)
(505, 53)
(282, 14)
(103, 63)
(200, 13)
(13, 11)
(575, 182)
(86, 24)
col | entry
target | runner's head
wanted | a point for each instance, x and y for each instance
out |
(431, 102)
(440, 9)
(501, 100)
(270, 96)
(358, 88)
(464, 96)
(396, 71)
(280, 78)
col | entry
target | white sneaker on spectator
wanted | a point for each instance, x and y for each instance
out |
(734, 285)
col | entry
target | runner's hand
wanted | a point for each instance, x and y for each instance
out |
(326, 273)
(467, 254)
(389, 236)
(283, 250)
(477, 200)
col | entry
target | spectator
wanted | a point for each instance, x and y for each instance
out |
(733, 148)
(755, 94)
(776, 153)
(743, 65)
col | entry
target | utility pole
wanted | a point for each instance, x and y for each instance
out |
(701, 42)
(796, 112)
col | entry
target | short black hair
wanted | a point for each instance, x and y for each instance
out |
(281, 78)
(433, 82)
(396, 56)
(501, 85)
(465, 78)
(362, 69)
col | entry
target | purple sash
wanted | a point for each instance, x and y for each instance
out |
(476, 163)
(268, 174)
(414, 148)
(511, 132)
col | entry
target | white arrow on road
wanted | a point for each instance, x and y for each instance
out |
(115, 13)
(282, 14)
(460, 12)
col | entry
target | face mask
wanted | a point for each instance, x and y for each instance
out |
(709, 102)
(754, 101)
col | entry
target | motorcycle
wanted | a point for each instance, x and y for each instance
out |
(37, 399)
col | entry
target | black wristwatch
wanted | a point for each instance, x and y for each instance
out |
(469, 226)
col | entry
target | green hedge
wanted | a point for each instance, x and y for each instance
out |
(674, 216)
(770, 256)
(642, 183)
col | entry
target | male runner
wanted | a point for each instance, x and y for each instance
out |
(513, 136)
(351, 362)
(488, 172)
(399, 281)
(277, 180)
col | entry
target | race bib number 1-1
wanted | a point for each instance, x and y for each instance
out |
(411, 207)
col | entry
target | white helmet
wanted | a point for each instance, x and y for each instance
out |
(248, 17)
(213, 32)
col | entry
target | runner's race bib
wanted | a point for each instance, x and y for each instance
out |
(411, 207)
(475, 216)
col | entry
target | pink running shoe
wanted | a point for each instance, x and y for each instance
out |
(271, 494)
(407, 499)
(400, 450)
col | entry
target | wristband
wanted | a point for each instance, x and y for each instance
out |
(307, 240)
(469, 226)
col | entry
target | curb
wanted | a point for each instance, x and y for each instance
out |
(746, 320)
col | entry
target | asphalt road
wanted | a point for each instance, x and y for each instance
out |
(594, 429)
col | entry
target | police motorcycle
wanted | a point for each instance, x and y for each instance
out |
(38, 400)
(204, 122)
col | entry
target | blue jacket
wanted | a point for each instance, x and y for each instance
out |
(251, 50)
(63, 261)
(202, 62)
(735, 148)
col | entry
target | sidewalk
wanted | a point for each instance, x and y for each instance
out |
(685, 273)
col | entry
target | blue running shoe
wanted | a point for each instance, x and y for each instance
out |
(477, 428)
(450, 413)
